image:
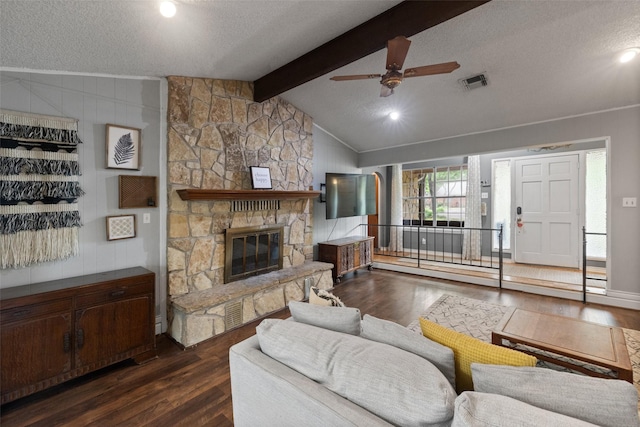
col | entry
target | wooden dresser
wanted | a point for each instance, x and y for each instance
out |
(53, 331)
(347, 254)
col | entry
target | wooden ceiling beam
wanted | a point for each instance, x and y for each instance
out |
(406, 19)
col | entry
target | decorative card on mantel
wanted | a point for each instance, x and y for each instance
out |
(39, 188)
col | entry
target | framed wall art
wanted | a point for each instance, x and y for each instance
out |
(124, 147)
(260, 178)
(121, 227)
(136, 191)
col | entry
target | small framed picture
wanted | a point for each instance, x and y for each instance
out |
(260, 178)
(123, 147)
(121, 227)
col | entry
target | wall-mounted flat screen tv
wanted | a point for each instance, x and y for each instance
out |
(350, 195)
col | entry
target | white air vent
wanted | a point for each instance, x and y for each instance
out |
(474, 82)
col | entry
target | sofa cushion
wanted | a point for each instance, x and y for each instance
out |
(467, 350)
(606, 402)
(339, 319)
(391, 333)
(398, 386)
(474, 409)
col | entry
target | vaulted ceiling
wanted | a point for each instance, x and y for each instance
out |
(543, 59)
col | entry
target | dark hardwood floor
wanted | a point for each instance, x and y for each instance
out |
(192, 387)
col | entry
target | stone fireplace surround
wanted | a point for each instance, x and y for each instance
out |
(215, 133)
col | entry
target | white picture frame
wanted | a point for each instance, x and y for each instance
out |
(121, 227)
(260, 178)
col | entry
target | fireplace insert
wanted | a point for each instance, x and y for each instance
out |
(252, 251)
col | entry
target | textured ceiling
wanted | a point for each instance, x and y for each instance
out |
(543, 59)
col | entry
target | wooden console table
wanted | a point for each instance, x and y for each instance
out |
(596, 344)
(347, 254)
(53, 331)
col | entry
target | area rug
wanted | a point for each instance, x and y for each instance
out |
(478, 318)
(632, 338)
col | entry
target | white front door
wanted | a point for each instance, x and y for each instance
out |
(547, 230)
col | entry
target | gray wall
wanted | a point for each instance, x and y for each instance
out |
(95, 101)
(330, 155)
(621, 126)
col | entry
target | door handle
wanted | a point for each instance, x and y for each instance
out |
(80, 338)
(66, 342)
(519, 217)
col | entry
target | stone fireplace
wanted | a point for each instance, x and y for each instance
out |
(215, 133)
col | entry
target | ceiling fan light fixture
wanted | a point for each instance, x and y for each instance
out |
(394, 115)
(167, 9)
(628, 55)
(392, 79)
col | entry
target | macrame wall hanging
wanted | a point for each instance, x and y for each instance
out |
(39, 218)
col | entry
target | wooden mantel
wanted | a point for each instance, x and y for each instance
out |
(200, 194)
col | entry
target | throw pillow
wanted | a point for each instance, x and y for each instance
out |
(322, 297)
(396, 335)
(605, 402)
(467, 350)
(400, 387)
(474, 409)
(340, 319)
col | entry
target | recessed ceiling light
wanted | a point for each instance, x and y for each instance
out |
(629, 55)
(167, 9)
(394, 115)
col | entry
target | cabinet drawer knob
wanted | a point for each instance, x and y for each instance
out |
(116, 293)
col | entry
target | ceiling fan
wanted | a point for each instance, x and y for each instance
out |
(397, 49)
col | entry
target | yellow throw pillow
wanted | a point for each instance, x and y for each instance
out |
(468, 350)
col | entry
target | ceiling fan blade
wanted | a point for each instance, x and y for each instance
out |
(355, 77)
(397, 49)
(428, 70)
(385, 91)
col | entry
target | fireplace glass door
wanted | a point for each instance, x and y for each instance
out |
(252, 251)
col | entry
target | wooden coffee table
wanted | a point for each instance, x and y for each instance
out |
(593, 343)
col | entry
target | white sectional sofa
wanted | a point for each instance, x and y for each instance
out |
(327, 367)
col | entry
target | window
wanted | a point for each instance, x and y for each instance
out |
(434, 196)
(501, 206)
(596, 203)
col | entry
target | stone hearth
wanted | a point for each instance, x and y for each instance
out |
(198, 316)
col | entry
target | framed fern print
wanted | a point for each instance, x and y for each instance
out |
(124, 147)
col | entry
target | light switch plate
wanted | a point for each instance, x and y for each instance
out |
(484, 195)
(146, 218)
(629, 202)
